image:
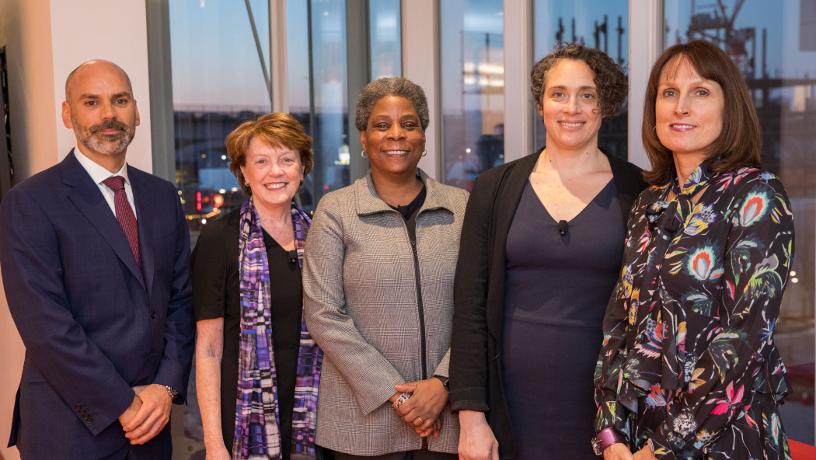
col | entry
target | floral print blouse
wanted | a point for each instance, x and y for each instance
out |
(688, 358)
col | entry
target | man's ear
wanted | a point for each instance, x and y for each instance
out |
(66, 115)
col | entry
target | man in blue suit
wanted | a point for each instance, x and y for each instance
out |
(95, 263)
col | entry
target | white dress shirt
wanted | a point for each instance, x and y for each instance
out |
(99, 174)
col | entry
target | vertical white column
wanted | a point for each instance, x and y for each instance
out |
(420, 64)
(99, 29)
(518, 54)
(645, 45)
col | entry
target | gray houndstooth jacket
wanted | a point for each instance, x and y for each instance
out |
(360, 304)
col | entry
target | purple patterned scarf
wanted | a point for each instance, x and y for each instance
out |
(256, 431)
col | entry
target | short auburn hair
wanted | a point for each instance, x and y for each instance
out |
(740, 141)
(278, 129)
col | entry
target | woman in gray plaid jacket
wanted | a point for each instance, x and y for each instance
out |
(378, 290)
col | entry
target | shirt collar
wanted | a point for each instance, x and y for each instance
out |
(368, 202)
(698, 179)
(97, 172)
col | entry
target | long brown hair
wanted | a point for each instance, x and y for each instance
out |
(739, 143)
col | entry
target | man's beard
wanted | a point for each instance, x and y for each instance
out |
(107, 144)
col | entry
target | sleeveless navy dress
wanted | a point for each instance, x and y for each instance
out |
(557, 289)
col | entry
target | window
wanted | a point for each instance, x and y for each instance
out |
(384, 32)
(599, 24)
(328, 88)
(220, 55)
(319, 82)
(218, 82)
(472, 64)
(779, 69)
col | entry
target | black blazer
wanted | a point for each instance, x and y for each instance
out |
(475, 369)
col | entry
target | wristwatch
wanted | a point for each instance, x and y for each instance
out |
(445, 381)
(172, 392)
(604, 439)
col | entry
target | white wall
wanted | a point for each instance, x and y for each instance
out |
(46, 39)
(89, 29)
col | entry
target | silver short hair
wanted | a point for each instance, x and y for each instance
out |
(390, 86)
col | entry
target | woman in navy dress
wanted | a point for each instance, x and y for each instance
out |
(540, 251)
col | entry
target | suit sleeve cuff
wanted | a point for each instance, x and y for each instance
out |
(167, 379)
(376, 397)
(121, 399)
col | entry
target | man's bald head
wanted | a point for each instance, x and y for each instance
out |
(93, 66)
(100, 108)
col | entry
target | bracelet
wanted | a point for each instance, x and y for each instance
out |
(402, 398)
(604, 439)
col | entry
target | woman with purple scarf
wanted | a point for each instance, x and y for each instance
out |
(257, 367)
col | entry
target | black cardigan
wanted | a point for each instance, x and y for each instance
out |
(475, 367)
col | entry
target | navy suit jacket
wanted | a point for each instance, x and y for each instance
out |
(93, 324)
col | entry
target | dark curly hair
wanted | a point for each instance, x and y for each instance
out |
(609, 78)
(390, 86)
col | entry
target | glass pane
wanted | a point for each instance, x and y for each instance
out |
(770, 46)
(218, 82)
(472, 61)
(384, 32)
(597, 23)
(320, 102)
(299, 81)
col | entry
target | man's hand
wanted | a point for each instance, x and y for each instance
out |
(476, 439)
(151, 417)
(617, 451)
(421, 412)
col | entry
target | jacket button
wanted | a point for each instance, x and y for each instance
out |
(153, 315)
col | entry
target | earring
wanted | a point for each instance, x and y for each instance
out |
(363, 154)
(425, 152)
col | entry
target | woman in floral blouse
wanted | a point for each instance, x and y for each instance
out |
(688, 368)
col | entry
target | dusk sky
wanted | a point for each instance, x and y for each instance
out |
(215, 62)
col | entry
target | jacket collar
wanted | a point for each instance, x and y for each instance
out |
(368, 202)
(87, 198)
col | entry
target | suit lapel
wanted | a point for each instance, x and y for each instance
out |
(85, 195)
(142, 196)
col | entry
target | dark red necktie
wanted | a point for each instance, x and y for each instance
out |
(124, 214)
